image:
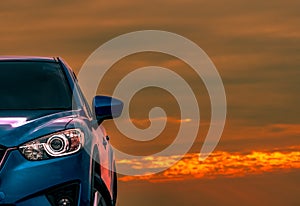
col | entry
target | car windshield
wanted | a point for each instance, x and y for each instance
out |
(33, 85)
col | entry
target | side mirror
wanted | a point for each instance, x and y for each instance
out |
(106, 108)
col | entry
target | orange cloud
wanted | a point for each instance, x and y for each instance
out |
(143, 122)
(219, 164)
(269, 131)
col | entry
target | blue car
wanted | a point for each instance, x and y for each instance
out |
(53, 149)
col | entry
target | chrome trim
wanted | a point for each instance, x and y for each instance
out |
(7, 150)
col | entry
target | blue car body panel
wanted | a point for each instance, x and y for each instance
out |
(24, 182)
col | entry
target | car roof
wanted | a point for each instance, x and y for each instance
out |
(28, 58)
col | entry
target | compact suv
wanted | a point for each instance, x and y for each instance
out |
(52, 149)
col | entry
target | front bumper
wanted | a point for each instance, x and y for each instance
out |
(45, 182)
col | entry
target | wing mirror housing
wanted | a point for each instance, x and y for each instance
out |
(106, 107)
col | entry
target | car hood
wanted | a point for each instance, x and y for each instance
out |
(19, 126)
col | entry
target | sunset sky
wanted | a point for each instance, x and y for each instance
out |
(255, 45)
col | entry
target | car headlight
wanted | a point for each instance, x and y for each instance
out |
(54, 145)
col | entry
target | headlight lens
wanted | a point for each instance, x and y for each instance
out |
(54, 145)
